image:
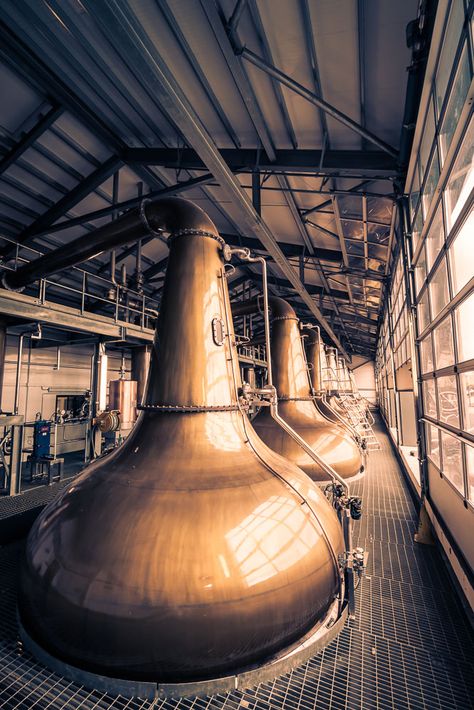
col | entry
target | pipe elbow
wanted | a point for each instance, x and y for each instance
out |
(177, 215)
(281, 309)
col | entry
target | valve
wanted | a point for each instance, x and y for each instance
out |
(359, 561)
(355, 507)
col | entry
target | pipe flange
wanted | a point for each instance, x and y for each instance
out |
(189, 232)
(144, 219)
(189, 408)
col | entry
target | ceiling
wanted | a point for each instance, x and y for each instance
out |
(280, 118)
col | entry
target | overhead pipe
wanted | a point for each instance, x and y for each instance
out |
(34, 335)
(157, 217)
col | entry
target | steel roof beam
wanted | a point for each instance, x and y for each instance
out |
(18, 55)
(361, 48)
(124, 30)
(255, 15)
(307, 25)
(30, 137)
(201, 75)
(175, 189)
(370, 162)
(282, 179)
(78, 193)
(241, 81)
(316, 100)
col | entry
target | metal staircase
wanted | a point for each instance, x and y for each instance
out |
(361, 418)
(355, 407)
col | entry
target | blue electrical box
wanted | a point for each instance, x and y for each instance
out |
(41, 439)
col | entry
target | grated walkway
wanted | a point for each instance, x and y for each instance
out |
(410, 646)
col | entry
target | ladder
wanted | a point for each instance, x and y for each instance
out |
(361, 418)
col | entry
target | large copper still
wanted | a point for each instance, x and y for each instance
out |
(192, 550)
(297, 408)
(317, 363)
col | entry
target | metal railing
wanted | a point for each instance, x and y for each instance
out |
(120, 302)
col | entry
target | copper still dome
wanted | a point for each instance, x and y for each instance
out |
(192, 550)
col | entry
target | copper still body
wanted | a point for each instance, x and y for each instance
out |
(123, 397)
(316, 357)
(193, 549)
(297, 408)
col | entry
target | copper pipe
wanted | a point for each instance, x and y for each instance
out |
(296, 408)
(192, 550)
(156, 217)
(316, 359)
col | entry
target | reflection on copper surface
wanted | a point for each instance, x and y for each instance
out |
(260, 556)
(192, 550)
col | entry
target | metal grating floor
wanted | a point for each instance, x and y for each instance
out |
(409, 647)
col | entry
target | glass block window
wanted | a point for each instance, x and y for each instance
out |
(427, 141)
(464, 315)
(461, 253)
(434, 238)
(469, 453)
(443, 344)
(426, 354)
(431, 181)
(455, 104)
(433, 444)
(448, 52)
(467, 400)
(448, 406)
(429, 398)
(440, 208)
(452, 460)
(420, 271)
(461, 180)
(439, 289)
(423, 312)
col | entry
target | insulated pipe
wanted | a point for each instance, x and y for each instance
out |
(172, 214)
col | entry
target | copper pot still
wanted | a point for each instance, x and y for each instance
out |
(192, 550)
(297, 408)
(316, 357)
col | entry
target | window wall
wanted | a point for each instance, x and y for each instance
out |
(440, 215)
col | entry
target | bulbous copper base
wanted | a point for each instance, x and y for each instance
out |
(279, 663)
(327, 439)
(182, 556)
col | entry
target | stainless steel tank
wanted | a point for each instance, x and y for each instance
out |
(123, 397)
(192, 550)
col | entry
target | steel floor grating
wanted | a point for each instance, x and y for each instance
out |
(410, 646)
